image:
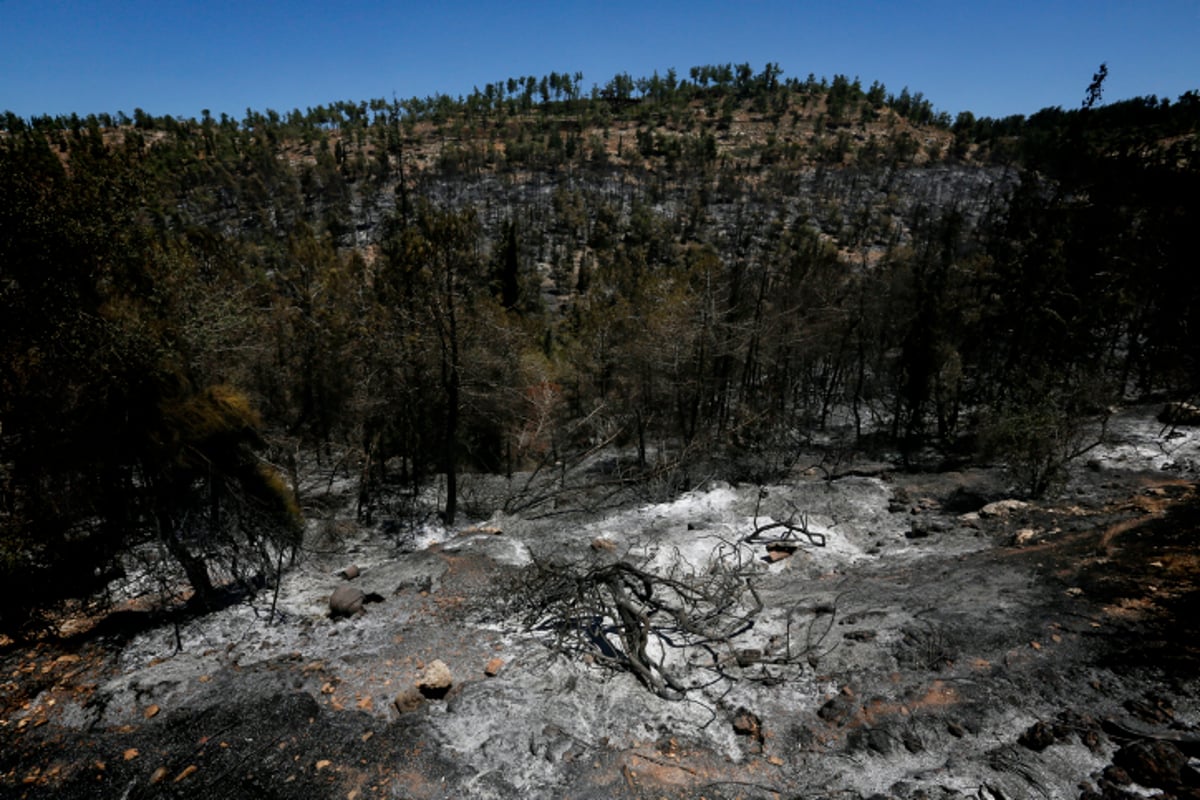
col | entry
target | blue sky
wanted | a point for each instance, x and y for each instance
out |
(177, 58)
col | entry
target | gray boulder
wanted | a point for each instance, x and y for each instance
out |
(346, 601)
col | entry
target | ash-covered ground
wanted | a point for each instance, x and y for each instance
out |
(882, 634)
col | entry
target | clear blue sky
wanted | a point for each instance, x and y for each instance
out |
(177, 58)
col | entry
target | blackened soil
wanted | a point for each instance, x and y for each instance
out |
(1045, 652)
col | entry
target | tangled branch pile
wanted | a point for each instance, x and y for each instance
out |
(676, 630)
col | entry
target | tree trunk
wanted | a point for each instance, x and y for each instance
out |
(194, 566)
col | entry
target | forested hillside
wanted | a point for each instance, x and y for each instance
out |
(706, 274)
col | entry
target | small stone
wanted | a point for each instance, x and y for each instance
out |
(351, 572)
(748, 656)
(1023, 537)
(493, 667)
(435, 680)
(837, 710)
(346, 601)
(408, 701)
(927, 525)
(602, 545)
(1117, 775)
(778, 551)
(747, 723)
(1151, 708)
(1038, 737)
(151, 711)
(917, 530)
(879, 740)
(1002, 508)
(158, 776)
(323, 763)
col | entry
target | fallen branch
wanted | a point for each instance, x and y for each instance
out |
(795, 526)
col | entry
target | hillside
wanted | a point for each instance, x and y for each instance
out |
(228, 344)
(711, 271)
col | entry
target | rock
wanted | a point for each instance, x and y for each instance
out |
(917, 531)
(1073, 724)
(351, 572)
(880, 741)
(747, 723)
(1152, 707)
(408, 701)
(899, 501)
(1002, 508)
(912, 742)
(838, 709)
(1179, 414)
(924, 526)
(346, 601)
(493, 667)
(1115, 775)
(602, 545)
(778, 551)
(1038, 736)
(875, 739)
(435, 680)
(1023, 537)
(1155, 764)
(748, 656)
